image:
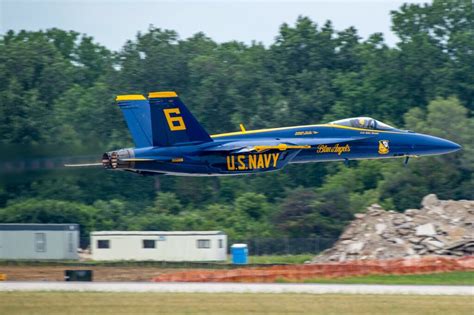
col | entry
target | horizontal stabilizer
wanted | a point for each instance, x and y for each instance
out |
(83, 165)
(155, 159)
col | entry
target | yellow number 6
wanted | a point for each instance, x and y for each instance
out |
(176, 122)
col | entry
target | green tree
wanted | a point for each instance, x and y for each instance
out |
(167, 203)
(252, 204)
(57, 92)
(50, 211)
(304, 213)
(449, 176)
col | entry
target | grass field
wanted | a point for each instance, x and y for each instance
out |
(266, 259)
(194, 303)
(445, 278)
(280, 259)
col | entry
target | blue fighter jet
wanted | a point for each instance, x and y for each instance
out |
(169, 140)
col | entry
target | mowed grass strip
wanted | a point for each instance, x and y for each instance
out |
(280, 259)
(197, 303)
(445, 278)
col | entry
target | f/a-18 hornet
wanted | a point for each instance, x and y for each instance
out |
(169, 140)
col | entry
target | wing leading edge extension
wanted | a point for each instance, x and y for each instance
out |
(249, 146)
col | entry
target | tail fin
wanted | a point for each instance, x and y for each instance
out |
(162, 120)
(136, 110)
(172, 122)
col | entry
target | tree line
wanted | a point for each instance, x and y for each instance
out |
(57, 91)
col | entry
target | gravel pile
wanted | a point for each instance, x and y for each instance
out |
(440, 227)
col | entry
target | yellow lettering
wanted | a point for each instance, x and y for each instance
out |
(252, 161)
(175, 123)
(275, 158)
(322, 148)
(267, 158)
(240, 159)
(260, 162)
(230, 162)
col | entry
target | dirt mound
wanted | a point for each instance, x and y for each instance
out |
(440, 227)
(328, 270)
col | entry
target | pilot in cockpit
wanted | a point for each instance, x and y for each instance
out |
(363, 123)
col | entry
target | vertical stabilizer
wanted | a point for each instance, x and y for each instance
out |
(161, 120)
(172, 123)
(136, 110)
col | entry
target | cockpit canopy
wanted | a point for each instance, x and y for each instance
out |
(363, 123)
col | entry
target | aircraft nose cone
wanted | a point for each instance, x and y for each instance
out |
(429, 145)
(445, 146)
(451, 146)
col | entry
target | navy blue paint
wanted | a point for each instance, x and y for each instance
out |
(137, 116)
(205, 156)
(163, 136)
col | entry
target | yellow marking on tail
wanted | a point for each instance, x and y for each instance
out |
(175, 123)
(162, 94)
(131, 97)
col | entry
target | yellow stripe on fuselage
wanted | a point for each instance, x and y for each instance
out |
(236, 133)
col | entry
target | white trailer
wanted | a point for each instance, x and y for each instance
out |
(39, 241)
(159, 245)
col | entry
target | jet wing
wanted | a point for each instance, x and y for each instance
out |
(263, 145)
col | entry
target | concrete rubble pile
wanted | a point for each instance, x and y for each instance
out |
(440, 227)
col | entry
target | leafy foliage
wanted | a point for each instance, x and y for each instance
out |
(57, 93)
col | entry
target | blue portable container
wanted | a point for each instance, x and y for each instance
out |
(239, 254)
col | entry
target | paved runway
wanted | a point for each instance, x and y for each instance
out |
(237, 288)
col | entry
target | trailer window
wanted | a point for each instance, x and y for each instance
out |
(40, 242)
(103, 244)
(149, 244)
(70, 243)
(221, 244)
(203, 243)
